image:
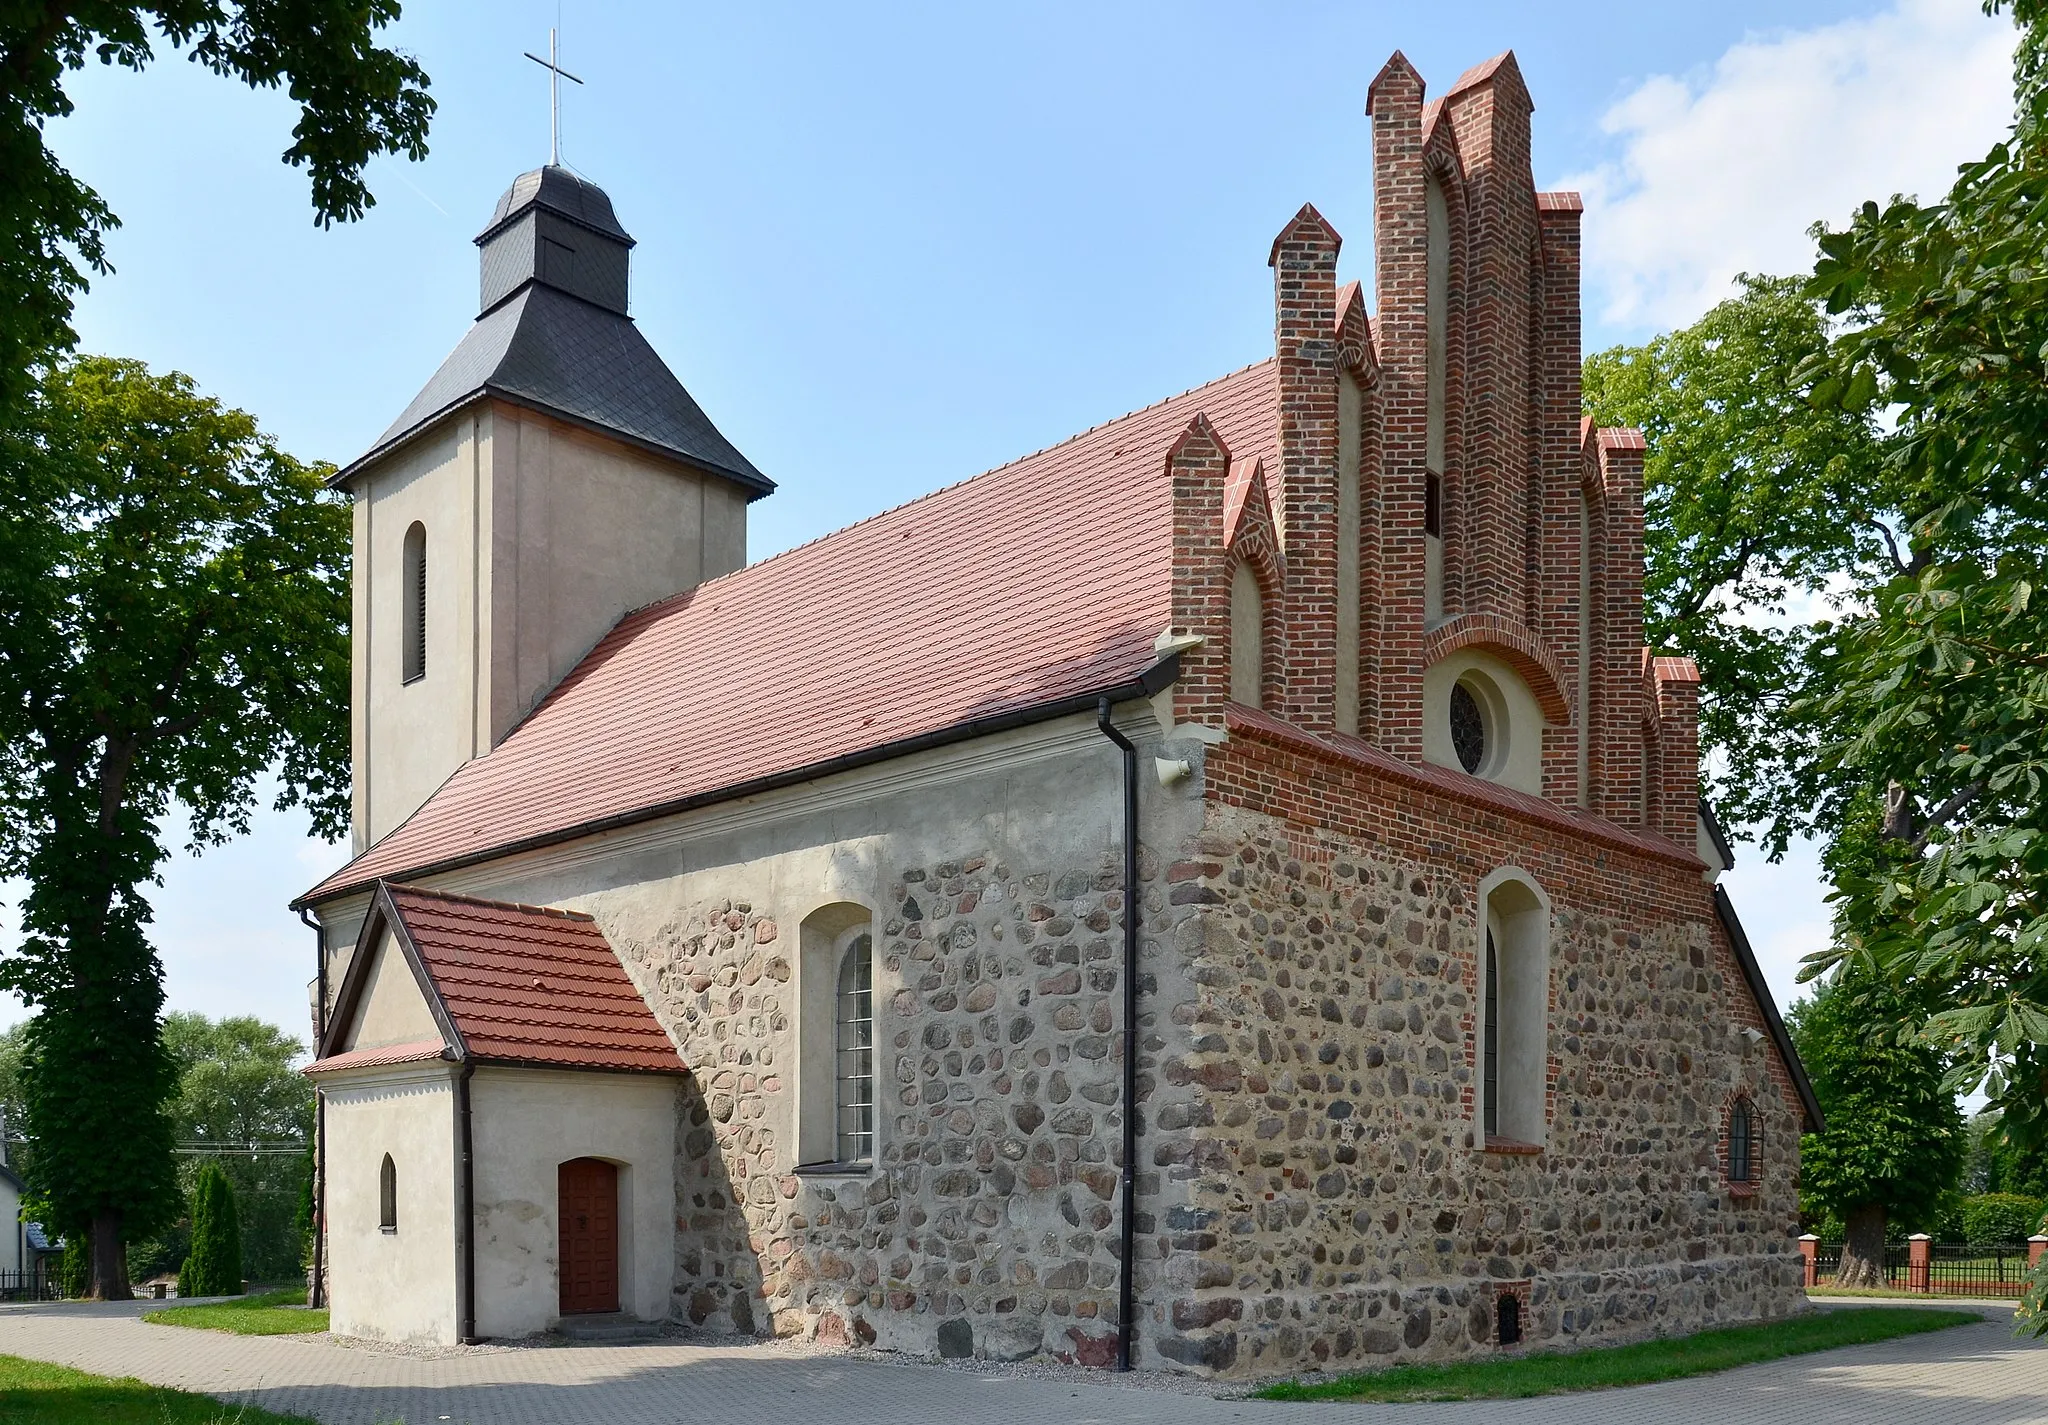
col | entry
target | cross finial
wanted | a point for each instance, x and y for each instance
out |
(556, 74)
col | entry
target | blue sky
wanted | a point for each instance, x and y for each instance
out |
(889, 247)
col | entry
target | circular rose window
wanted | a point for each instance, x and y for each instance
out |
(1468, 728)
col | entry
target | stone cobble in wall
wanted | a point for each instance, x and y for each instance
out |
(986, 1225)
(1336, 1209)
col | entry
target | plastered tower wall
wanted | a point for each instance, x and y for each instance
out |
(540, 535)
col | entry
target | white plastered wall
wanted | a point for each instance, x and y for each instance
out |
(1044, 797)
(525, 1123)
(1514, 730)
(12, 1245)
(402, 1285)
(540, 536)
(390, 1008)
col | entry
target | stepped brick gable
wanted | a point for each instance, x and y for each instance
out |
(1441, 1017)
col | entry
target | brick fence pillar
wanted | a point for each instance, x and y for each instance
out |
(1919, 1256)
(1809, 1249)
(2036, 1245)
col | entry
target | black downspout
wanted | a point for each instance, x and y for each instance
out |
(1126, 1286)
(317, 1296)
(468, 1334)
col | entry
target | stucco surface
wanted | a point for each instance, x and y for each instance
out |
(540, 536)
(526, 1122)
(391, 1009)
(392, 1285)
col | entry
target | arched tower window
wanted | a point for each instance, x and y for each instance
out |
(413, 570)
(1247, 636)
(387, 1196)
(1741, 1142)
(854, 1052)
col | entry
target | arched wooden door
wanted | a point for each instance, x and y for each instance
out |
(587, 1204)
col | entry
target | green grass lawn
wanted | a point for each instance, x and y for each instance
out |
(1550, 1373)
(274, 1313)
(33, 1393)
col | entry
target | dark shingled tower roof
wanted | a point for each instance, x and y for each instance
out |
(553, 334)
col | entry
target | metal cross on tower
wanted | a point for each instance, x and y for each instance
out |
(556, 74)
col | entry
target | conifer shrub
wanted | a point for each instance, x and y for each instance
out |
(215, 1266)
(74, 1268)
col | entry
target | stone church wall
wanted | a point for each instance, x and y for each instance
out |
(1316, 1133)
(988, 1223)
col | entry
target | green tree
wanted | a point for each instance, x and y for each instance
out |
(1895, 1141)
(237, 1085)
(356, 101)
(215, 1266)
(173, 626)
(1932, 709)
(237, 1082)
(1756, 502)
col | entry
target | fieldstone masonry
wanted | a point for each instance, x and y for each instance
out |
(986, 1226)
(1316, 1122)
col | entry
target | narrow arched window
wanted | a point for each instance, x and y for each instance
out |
(387, 1196)
(1741, 1142)
(854, 1054)
(413, 569)
(1247, 636)
(1511, 1043)
(1489, 1086)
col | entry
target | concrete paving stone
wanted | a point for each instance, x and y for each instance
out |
(1973, 1375)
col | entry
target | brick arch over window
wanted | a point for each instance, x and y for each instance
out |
(1516, 646)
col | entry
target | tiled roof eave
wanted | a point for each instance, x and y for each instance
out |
(755, 486)
(1148, 683)
(675, 1068)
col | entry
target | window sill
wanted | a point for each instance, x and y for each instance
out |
(1512, 1147)
(833, 1170)
(388, 1231)
(1742, 1189)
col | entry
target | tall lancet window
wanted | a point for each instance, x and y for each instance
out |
(1437, 332)
(413, 571)
(854, 1041)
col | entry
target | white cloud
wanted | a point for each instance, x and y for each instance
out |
(1722, 171)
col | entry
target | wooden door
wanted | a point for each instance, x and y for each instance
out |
(587, 1202)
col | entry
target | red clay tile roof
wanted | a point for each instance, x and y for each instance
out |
(1043, 579)
(375, 1058)
(531, 985)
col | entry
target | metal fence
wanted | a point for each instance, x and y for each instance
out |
(38, 1285)
(1953, 1268)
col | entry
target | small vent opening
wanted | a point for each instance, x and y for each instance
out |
(1508, 1320)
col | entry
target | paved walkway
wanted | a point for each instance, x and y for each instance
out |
(1972, 1375)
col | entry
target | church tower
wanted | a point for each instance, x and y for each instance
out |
(551, 476)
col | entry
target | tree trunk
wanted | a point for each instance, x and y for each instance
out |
(109, 1260)
(1862, 1247)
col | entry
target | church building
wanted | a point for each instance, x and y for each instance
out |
(1228, 893)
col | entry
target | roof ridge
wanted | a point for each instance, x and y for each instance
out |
(708, 584)
(460, 899)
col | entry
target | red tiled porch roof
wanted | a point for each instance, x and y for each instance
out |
(1045, 579)
(532, 985)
